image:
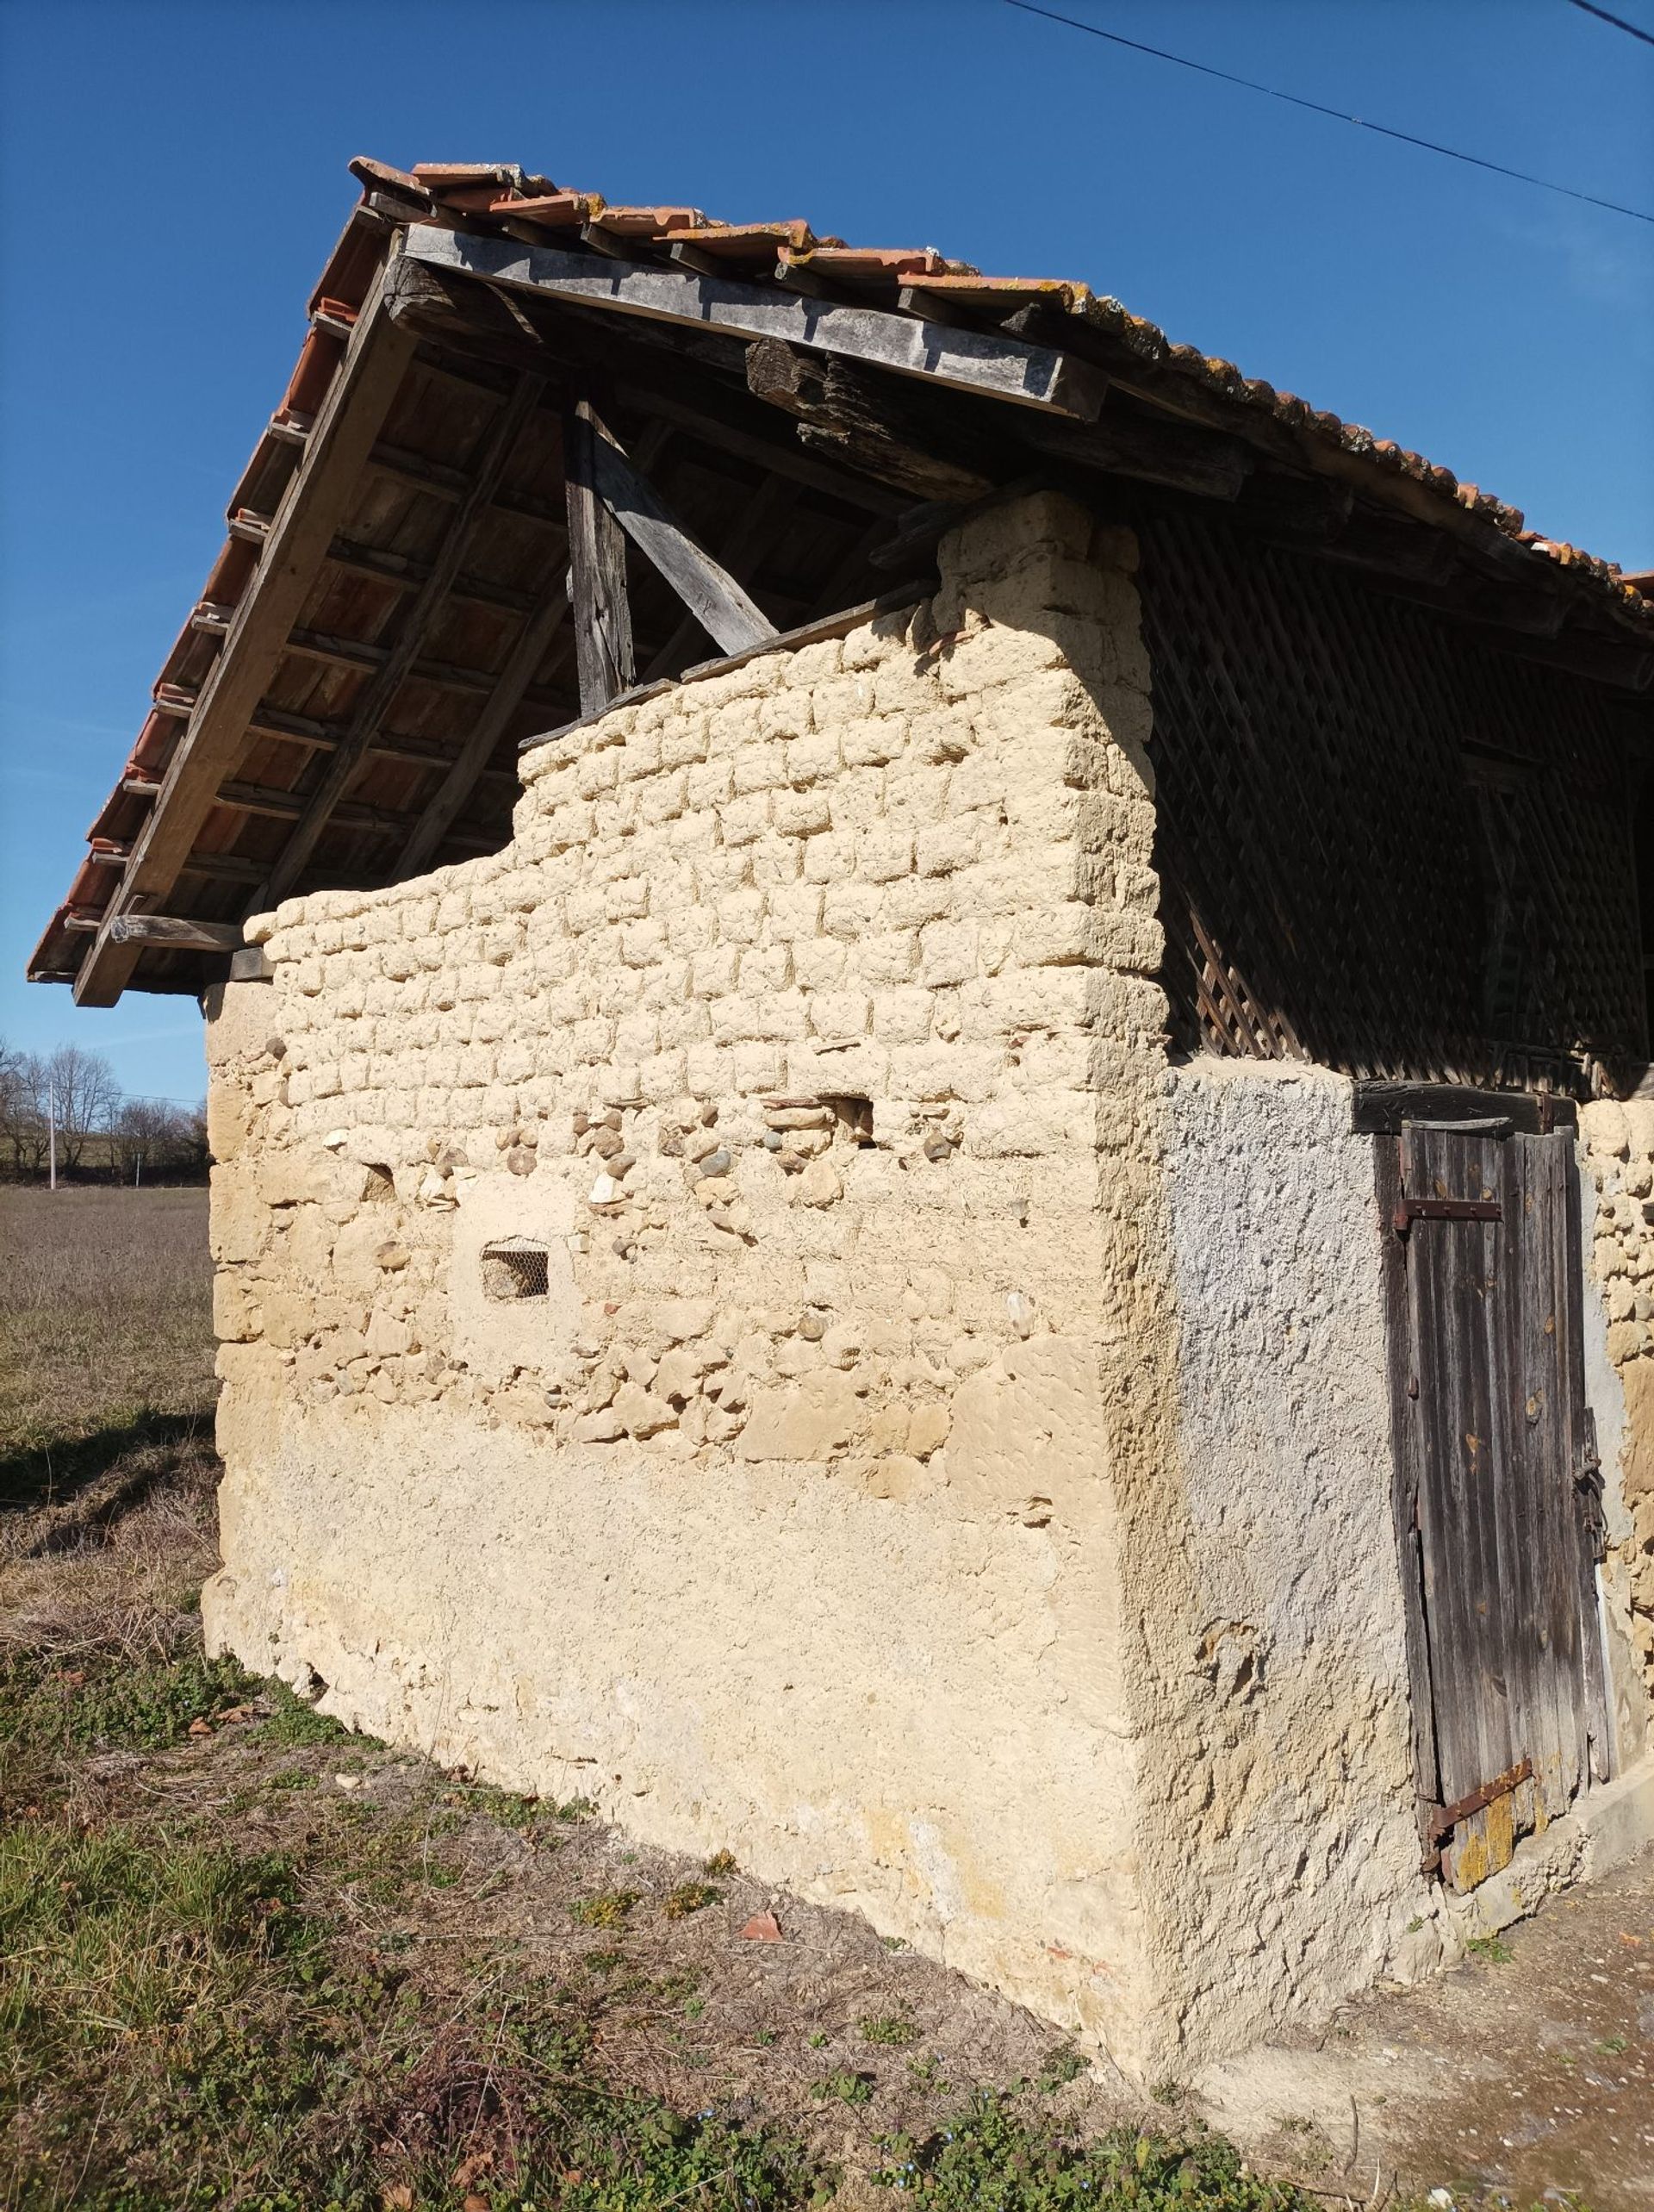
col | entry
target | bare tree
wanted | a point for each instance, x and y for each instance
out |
(84, 1096)
(22, 1109)
(146, 1133)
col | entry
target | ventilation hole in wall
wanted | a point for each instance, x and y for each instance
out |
(514, 1268)
(855, 1117)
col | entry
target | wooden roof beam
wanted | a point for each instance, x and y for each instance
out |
(314, 504)
(762, 522)
(978, 361)
(653, 376)
(173, 933)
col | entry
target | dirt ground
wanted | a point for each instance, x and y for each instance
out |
(1528, 2072)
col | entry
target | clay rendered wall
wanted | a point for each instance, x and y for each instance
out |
(1618, 1150)
(1310, 1839)
(802, 1515)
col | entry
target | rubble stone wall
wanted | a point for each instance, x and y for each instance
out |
(1618, 1149)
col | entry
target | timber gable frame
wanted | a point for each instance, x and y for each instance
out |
(506, 388)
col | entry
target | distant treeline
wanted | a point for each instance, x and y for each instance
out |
(101, 1135)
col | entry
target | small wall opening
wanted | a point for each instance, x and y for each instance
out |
(515, 1268)
(854, 1116)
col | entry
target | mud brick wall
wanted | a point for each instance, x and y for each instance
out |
(807, 1038)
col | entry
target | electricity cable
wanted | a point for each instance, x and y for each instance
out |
(1315, 106)
(1619, 21)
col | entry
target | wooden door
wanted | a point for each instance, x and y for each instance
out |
(1498, 1503)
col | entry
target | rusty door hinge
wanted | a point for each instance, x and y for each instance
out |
(1409, 1210)
(1444, 1819)
(1440, 1820)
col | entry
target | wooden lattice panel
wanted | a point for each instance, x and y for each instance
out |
(1384, 845)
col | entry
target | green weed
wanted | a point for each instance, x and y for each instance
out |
(688, 1897)
(108, 1704)
(850, 2087)
(988, 2158)
(1492, 1950)
(896, 2033)
(1061, 2066)
(293, 1721)
(608, 1909)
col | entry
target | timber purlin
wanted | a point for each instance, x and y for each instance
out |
(778, 424)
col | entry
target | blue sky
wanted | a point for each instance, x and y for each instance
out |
(173, 175)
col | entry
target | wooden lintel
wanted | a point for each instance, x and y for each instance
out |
(712, 594)
(970, 361)
(1380, 1108)
(175, 933)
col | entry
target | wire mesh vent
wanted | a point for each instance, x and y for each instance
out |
(513, 1268)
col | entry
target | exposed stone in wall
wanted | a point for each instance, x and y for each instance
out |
(1618, 1144)
(907, 870)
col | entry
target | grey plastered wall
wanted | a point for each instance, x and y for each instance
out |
(1308, 1851)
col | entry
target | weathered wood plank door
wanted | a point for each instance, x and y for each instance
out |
(1497, 1500)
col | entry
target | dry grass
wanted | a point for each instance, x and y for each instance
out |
(105, 1314)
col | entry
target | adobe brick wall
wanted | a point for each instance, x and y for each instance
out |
(785, 1521)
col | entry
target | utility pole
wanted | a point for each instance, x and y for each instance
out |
(52, 1129)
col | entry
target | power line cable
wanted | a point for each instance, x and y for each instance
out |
(1619, 21)
(1293, 99)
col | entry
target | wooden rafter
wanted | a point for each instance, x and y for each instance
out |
(444, 808)
(312, 508)
(175, 934)
(400, 662)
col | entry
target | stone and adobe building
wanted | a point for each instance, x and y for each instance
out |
(928, 1031)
